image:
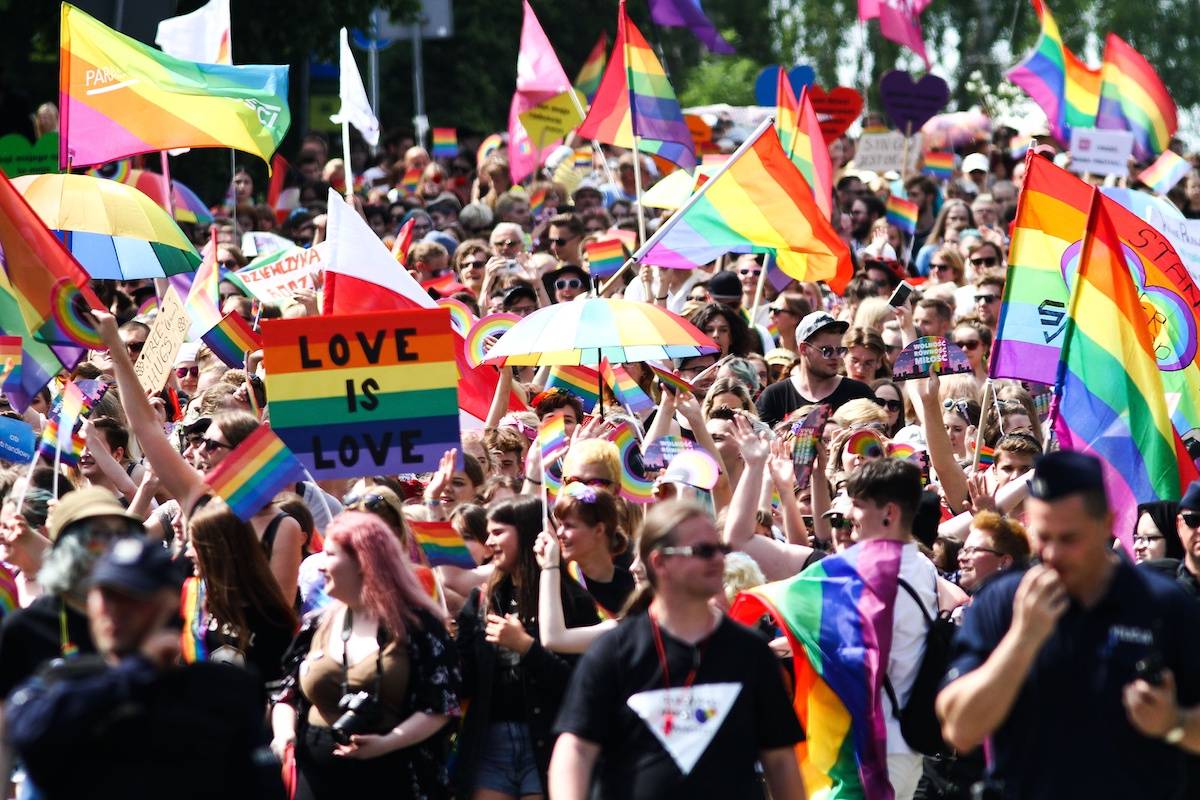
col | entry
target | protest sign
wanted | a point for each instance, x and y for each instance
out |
(364, 394)
(17, 441)
(1182, 233)
(806, 434)
(930, 354)
(909, 103)
(276, 277)
(167, 335)
(836, 109)
(883, 152)
(554, 118)
(19, 157)
(660, 452)
(1100, 152)
(263, 243)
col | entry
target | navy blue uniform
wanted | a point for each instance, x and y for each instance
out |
(1068, 734)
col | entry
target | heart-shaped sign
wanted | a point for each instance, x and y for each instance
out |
(19, 157)
(767, 82)
(836, 109)
(910, 103)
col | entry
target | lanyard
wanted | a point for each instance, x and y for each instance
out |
(575, 572)
(65, 645)
(660, 648)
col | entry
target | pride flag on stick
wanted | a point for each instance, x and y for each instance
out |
(445, 142)
(258, 469)
(605, 257)
(1166, 171)
(903, 214)
(442, 545)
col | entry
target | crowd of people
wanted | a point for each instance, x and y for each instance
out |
(156, 641)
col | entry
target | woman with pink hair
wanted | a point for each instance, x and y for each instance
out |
(374, 677)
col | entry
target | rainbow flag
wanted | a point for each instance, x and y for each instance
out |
(604, 257)
(231, 339)
(1062, 85)
(203, 298)
(191, 638)
(254, 472)
(552, 438)
(588, 79)
(760, 203)
(442, 545)
(583, 382)
(1111, 394)
(9, 592)
(987, 456)
(490, 144)
(1166, 171)
(63, 423)
(10, 356)
(635, 486)
(625, 388)
(537, 203)
(445, 142)
(903, 214)
(119, 97)
(798, 128)
(1134, 98)
(671, 379)
(411, 180)
(837, 615)
(939, 165)
(635, 98)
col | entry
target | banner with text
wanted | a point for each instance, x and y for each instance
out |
(275, 278)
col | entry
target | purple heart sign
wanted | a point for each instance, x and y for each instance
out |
(911, 104)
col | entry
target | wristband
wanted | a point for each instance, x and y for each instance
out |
(664, 297)
(531, 480)
(546, 569)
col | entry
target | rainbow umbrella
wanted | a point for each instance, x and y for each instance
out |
(585, 331)
(115, 231)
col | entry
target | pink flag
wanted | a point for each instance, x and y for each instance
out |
(539, 77)
(899, 21)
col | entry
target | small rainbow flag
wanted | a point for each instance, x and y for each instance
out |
(411, 180)
(68, 412)
(583, 382)
(442, 545)
(445, 142)
(9, 593)
(903, 214)
(1134, 98)
(583, 159)
(552, 438)
(671, 379)
(231, 339)
(987, 456)
(939, 165)
(1166, 171)
(258, 469)
(605, 257)
(537, 203)
(625, 388)
(588, 79)
(203, 298)
(191, 639)
(10, 356)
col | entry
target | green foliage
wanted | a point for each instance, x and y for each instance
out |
(721, 79)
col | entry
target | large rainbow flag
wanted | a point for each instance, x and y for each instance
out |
(119, 97)
(1133, 98)
(1065, 88)
(837, 615)
(758, 203)
(588, 79)
(258, 469)
(1111, 398)
(1048, 234)
(799, 128)
(636, 99)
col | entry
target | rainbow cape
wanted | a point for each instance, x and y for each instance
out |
(1065, 88)
(583, 382)
(903, 214)
(636, 99)
(442, 545)
(231, 339)
(119, 97)
(1111, 395)
(1134, 98)
(625, 388)
(798, 128)
(1166, 171)
(254, 472)
(837, 615)
(758, 203)
(588, 79)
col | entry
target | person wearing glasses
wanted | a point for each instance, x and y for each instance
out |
(470, 263)
(817, 377)
(1155, 537)
(946, 266)
(1188, 529)
(985, 256)
(995, 543)
(676, 669)
(975, 339)
(786, 311)
(893, 401)
(989, 291)
(563, 237)
(567, 282)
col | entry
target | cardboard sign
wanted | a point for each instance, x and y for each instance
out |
(1100, 152)
(911, 104)
(364, 394)
(836, 109)
(276, 277)
(930, 354)
(553, 119)
(167, 335)
(806, 435)
(19, 157)
(883, 152)
(17, 441)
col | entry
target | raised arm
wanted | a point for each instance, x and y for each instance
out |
(941, 455)
(783, 477)
(552, 625)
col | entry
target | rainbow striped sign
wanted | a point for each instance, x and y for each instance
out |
(445, 142)
(258, 469)
(364, 394)
(442, 545)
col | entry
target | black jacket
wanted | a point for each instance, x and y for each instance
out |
(545, 675)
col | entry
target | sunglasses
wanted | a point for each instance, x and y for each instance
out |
(506, 243)
(183, 372)
(839, 521)
(970, 345)
(830, 352)
(985, 261)
(890, 405)
(595, 483)
(1191, 519)
(561, 242)
(1146, 541)
(943, 267)
(208, 445)
(704, 551)
(773, 310)
(370, 501)
(473, 264)
(568, 283)
(986, 298)
(747, 272)
(135, 347)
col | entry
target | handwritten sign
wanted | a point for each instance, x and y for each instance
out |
(364, 394)
(276, 277)
(1100, 152)
(883, 152)
(167, 335)
(553, 119)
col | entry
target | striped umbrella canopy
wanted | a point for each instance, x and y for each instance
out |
(113, 230)
(583, 332)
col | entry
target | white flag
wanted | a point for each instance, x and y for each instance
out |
(356, 109)
(354, 250)
(202, 35)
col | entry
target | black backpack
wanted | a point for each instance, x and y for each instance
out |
(918, 722)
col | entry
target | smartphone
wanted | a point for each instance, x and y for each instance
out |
(901, 295)
(1150, 668)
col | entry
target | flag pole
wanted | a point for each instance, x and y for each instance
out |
(758, 290)
(988, 390)
(346, 169)
(57, 462)
(596, 151)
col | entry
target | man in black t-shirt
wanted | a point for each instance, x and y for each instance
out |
(678, 701)
(817, 379)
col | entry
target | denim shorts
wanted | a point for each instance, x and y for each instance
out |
(507, 764)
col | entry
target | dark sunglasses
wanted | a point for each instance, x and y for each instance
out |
(890, 405)
(370, 501)
(985, 261)
(568, 283)
(986, 298)
(560, 242)
(705, 551)
(969, 344)
(473, 264)
(1191, 519)
(829, 352)
(595, 483)
(135, 347)
(183, 372)
(943, 267)
(746, 272)
(773, 310)
(839, 521)
(209, 445)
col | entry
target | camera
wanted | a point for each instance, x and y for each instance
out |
(361, 713)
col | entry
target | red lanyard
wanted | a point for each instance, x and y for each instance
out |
(662, 656)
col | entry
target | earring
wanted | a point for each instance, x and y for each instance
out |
(886, 522)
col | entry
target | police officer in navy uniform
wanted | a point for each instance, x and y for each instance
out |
(1083, 671)
(128, 723)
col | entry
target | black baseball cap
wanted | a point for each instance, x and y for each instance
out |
(137, 567)
(1063, 473)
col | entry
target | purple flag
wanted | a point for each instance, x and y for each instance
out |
(689, 14)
